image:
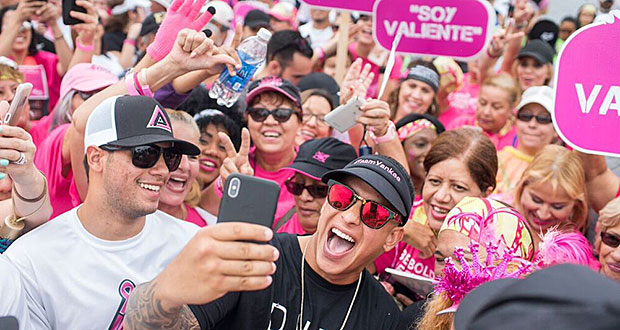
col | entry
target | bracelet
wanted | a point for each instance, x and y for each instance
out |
(58, 38)
(146, 90)
(136, 83)
(219, 190)
(389, 135)
(492, 56)
(130, 83)
(31, 200)
(84, 48)
(131, 42)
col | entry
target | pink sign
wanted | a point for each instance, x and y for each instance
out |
(353, 5)
(456, 28)
(35, 74)
(587, 98)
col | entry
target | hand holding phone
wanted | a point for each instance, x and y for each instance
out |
(344, 117)
(67, 7)
(17, 106)
(249, 199)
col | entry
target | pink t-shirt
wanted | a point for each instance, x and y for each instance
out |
(194, 217)
(48, 159)
(285, 200)
(461, 103)
(39, 130)
(405, 258)
(373, 90)
(293, 226)
(506, 137)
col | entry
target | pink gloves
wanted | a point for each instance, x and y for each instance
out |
(181, 14)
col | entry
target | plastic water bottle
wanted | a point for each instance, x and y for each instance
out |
(252, 53)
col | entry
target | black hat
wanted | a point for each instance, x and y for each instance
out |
(130, 121)
(256, 18)
(151, 23)
(560, 297)
(546, 31)
(319, 156)
(274, 84)
(384, 174)
(539, 50)
(320, 80)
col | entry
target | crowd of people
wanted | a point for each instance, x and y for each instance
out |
(468, 212)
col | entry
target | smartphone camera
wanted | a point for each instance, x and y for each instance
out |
(234, 187)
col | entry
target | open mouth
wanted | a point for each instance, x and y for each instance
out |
(208, 165)
(439, 213)
(339, 243)
(149, 187)
(271, 134)
(176, 184)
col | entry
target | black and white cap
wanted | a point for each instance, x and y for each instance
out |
(130, 121)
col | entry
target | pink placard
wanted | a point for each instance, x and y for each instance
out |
(353, 5)
(456, 28)
(35, 74)
(587, 82)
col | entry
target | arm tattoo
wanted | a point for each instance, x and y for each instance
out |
(144, 312)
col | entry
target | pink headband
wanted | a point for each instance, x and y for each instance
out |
(413, 128)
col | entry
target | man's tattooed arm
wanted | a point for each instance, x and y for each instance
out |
(145, 312)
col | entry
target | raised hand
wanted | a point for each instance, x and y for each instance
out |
(236, 162)
(182, 14)
(49, 13)
(376, 116)
(194, 51)
(25, 11)
(86, 31)
(421, 237)
(356, 81)
(231, 51)
(503, 37)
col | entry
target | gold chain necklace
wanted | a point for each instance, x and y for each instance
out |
(301, 316)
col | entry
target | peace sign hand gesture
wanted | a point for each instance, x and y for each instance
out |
(504, 37)
(236, 162)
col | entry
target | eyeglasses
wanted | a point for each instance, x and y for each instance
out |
(526, 117)
(307, 115)
(315, 190)
(372, 214)
(610, 240)
(148, 155)
(282, 115)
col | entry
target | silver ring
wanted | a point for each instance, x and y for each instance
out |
(22, 159)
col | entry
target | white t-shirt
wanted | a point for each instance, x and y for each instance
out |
(74, 280)
(318, 38)
(13, 301)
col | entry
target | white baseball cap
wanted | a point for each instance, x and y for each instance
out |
(542, 95)
(224, 15)
(165, 3)
(128, 5)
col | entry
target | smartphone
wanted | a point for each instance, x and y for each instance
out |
(67, 7)
(19, 103)
(249, 199)
(344, 117)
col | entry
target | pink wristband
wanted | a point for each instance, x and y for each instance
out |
(144, 88)
(83, 47)
(130, 42)
(219, 190)
(130, 83)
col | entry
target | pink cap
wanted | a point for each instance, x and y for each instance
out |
(86, 77)
(285, 11)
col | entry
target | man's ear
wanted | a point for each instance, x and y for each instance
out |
(95, 157)
(488, 192)
(393, 238)
(274, 68)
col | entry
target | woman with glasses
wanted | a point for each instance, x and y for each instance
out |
(552, 193)
(314, 159)
(608, 239)
(461, 163)
(315, 105)
(534, 132)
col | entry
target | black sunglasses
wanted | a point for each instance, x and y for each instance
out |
(147, 156)
(610, 240)
(296, 188)
(280, 114)
(526, 117)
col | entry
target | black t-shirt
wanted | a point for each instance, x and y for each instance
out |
(278, 307)
(113, 41)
